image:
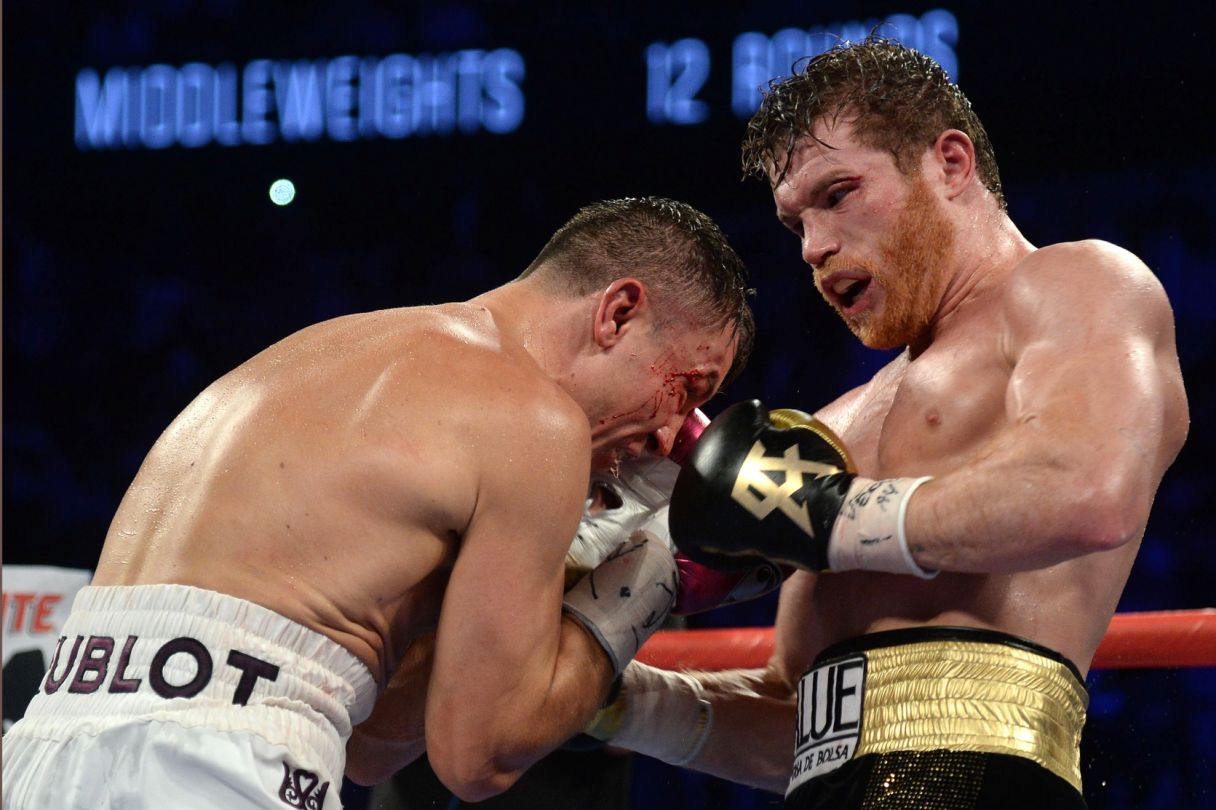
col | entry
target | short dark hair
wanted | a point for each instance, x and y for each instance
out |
(678, 252)
(901, 98)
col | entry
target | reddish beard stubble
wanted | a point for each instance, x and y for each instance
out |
(911, 270)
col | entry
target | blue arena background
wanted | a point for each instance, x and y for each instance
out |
(435, 146)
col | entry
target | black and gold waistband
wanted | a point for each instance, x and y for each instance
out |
(969, 690)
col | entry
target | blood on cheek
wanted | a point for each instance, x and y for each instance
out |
(689, 380)
(670, 387)
(677, 385)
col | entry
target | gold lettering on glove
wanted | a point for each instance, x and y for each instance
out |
(757, 490)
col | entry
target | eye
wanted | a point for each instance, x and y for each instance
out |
(837, 194)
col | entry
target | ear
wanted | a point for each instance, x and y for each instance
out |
(624, 301)
(953, 157)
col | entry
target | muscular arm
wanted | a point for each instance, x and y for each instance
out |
(1095, 412)
(512, 679)
(752, 741)
(753, 734)
(394, 735)
(751, 737)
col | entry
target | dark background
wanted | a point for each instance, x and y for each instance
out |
(134, 277)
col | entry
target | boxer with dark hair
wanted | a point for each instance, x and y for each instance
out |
(399, 485)
(965, 521)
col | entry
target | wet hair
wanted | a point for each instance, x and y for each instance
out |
(678, 252)
(898, 99)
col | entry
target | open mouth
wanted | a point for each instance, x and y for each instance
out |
(846, 291)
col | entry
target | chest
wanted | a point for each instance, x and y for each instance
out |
(926, 415)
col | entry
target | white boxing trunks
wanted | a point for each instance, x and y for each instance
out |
(172, 696)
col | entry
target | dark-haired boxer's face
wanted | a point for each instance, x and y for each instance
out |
(657, 380)
(878, 240)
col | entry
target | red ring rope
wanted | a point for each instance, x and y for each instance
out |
(1149, 639)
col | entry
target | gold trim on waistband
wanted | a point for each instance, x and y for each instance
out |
(973, 696)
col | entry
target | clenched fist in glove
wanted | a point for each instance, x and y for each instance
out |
(636, 499)
(780, 485)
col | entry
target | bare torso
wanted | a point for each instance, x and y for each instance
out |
(328, 478)
(930, 416)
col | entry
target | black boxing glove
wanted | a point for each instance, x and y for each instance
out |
(635, 497)
(780, 485)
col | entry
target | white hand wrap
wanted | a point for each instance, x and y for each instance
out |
(644, 488)
(626, 597)
(659, 713)
(869, 531)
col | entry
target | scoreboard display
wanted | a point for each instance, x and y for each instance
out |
(401, 95)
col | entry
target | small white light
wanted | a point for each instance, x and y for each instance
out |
(282, 192)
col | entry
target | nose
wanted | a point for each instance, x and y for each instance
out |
(817, 243)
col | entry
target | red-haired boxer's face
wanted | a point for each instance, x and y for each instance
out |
(657, 382)
(878, 240)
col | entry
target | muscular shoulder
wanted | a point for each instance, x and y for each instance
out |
(1088, 256)
(458, 358)
(1089, 268)
(1068, 288)
(448, 412)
